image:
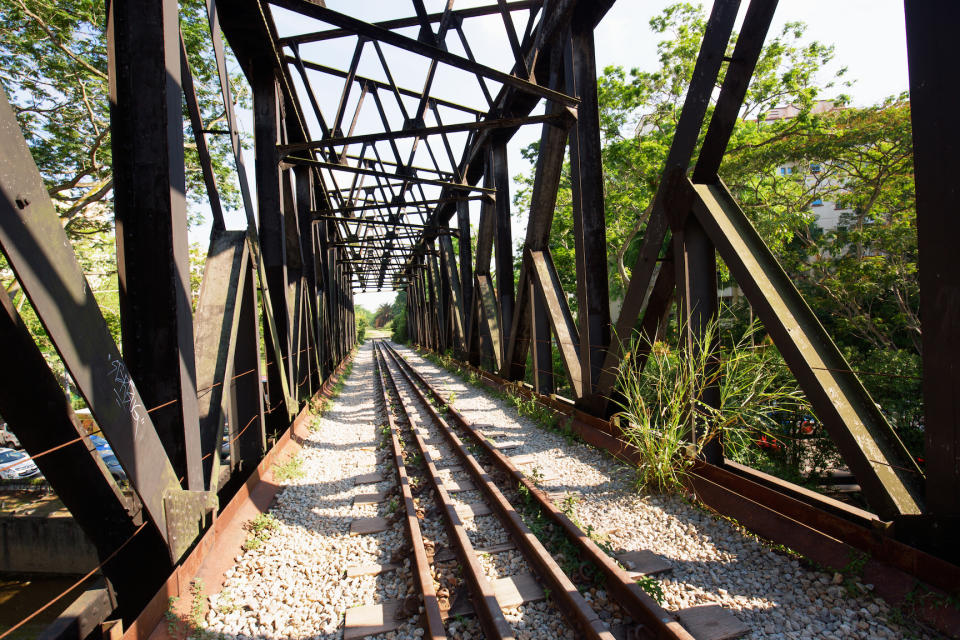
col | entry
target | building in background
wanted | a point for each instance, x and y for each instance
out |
(827, 213)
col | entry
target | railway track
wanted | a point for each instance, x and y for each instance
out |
(459, 488)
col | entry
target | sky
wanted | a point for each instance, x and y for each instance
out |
(868, 36)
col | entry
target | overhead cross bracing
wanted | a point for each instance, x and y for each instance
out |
(397, 113)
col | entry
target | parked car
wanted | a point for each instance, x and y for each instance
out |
(109, 458)
(11, 470)
(100, 443)
(113, 466)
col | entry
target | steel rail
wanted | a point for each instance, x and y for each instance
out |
(491, 615)
(572, 604)
(628, 594)
(431, 605)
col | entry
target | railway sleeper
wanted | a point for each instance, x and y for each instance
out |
(461, 466)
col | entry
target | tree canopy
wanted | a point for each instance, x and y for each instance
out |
(53, 68)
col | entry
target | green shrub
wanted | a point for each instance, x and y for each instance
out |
(361, 329)
(399, 332)
(292, 469)
(663, 399)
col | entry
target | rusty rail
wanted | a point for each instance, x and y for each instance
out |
(577, 610)
(431, 606)
(641, 607)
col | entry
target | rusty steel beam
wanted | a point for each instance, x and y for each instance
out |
(383, 205)
(589, 214)
(268, 129)
(705, 72)
(422, 132)
(543, 200)
(550, 31)
(217, 321)
(503, 241)
(315, 66)
(38, 251)
(382, 174)
(75, 471)
(889, 476)
(153, 269)
(312, 9)
(543, 273)
(400, 23)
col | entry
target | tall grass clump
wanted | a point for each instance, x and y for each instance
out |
(665, 388)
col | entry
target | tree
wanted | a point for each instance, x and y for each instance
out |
(383, 315)
(865, 272)
(399, 308)
(639, 111)
(861, 277)
(53, 68)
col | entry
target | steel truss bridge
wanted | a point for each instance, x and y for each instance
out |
(340, 205)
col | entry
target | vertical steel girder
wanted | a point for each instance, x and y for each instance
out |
(151, 221)
(589, 215)
(490, 335)
(217, 330)
(466, 275)
(444, 298)
(504, 245)
(530, 328)
(705, 72)
(270, 206)
(550, 295)
(935, 140)
(696, 257)
(248, 441)
(456, 291)
(541, 343)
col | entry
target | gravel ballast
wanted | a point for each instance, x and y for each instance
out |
(293, 584)
(713, 561)
(537, 620)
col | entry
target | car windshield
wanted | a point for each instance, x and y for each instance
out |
(10, 456)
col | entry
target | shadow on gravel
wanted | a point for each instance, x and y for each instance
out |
(287, 574)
